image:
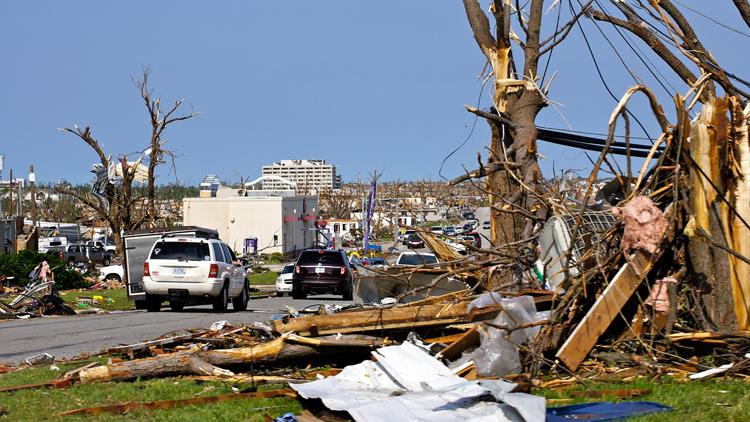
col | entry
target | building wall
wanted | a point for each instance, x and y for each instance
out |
(238, 218)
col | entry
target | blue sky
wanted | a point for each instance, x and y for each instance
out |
(365, 85)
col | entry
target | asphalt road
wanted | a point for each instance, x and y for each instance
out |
(65, 337)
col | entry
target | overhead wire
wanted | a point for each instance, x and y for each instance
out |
(723, 25)
(471, 132)
(641, 56)
(601, 76)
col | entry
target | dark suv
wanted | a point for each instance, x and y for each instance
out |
(322, 271)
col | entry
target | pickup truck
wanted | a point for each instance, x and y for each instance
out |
(86, 254)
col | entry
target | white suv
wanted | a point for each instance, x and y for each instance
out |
(192, 271)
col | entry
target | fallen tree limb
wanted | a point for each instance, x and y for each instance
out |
(207, 362)
(375, 319)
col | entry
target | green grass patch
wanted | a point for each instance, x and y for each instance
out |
(708, 400)
(113, 300)
(42, 404)
(266, 278)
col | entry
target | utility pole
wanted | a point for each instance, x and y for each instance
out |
(10, 191)
(32, 187)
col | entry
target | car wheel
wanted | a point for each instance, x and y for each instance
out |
(348, 295)
(113, 277)
(221, 302)
(298, 293)
(106, 262)
(153, 303)
(279, 294)
(176, 306)
(240, 302)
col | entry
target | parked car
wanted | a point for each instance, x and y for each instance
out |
(467, 215)
(191, 271)
(456, 246)
(406, 235)
(108, 245)
(415, 242)
(412, 258)
(112, 272)
(486, 225)
(467, 228)
(476, 237)
(449, 231)
(284, 281)
(322, 271)
(85, 254)
(374, 262)
(436, 229)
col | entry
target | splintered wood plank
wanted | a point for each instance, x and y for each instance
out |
(605, 309)
(351, 322)
(467, 339)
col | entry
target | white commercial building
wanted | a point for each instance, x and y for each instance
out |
(309, 176)
(274, 223)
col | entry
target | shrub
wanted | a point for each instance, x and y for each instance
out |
(21, 264)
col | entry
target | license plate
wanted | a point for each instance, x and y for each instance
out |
(320, 270)
(180, 271)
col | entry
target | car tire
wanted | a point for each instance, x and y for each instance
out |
(279, 294)
(153, 303)
(113, 277)
(106, 262)
(239, 303)
(348, 294)
(221, 302)
(298, 293)
(176, 306)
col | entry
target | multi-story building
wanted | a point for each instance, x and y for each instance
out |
(309, 176)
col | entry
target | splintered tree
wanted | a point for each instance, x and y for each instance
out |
(514, 176)
(719, 186)
(115, 198)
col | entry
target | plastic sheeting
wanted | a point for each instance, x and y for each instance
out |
(406, 383)
(496, 354)
(603, 411)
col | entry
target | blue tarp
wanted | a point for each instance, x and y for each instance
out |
(603, 411)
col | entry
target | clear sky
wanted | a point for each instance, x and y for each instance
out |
(365, 85)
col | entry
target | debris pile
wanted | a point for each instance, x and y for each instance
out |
(39, 297)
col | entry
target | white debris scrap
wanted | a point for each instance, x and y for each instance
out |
(406, 383)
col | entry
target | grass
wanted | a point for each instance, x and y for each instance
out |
(114, 300)
(266, 278)
(42, 404)
(708, 400)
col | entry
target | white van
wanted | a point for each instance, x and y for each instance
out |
(191, 271)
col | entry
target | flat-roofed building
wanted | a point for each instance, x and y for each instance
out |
(309, 176)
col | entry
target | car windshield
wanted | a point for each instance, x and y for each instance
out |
(417, 259)
(288, 269)
(181, 251)
(320, 257)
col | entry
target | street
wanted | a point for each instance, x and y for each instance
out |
(65, 337)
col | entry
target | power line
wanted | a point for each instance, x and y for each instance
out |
(601, 76)
(471, 132)
(744, 34)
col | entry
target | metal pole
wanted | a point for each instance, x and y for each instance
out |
(10, 191)
(32, 187)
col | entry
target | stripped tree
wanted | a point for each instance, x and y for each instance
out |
(514, 176)
(114, 197)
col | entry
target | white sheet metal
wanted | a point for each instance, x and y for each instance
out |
(407, 384)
